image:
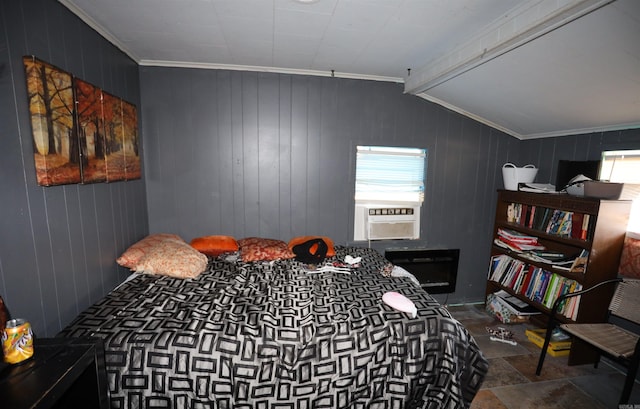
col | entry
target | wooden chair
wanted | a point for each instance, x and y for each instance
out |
(609, 339)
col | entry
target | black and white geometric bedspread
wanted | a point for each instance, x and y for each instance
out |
(269, 336)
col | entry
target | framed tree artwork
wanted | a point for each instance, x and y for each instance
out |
(130, 141)
(81, 134)
(90, 123)
(52, 110)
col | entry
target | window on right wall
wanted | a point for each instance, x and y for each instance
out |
(623, 166)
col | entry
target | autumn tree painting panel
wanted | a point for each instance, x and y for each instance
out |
(114, 137)
(53, 122)
(130, 141)
(90, 128)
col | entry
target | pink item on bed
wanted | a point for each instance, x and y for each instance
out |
(400, 303)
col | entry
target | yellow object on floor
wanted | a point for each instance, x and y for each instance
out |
(556, 348)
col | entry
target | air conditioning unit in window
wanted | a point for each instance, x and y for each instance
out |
(383, 222)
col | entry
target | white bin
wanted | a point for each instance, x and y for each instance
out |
(512, 175)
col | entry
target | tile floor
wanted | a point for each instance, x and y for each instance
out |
(512, 383)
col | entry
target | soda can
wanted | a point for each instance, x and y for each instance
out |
(17, 341)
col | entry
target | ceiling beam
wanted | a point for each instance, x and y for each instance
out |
(524, 23)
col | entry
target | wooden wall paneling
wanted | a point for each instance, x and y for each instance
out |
(225, 160)
(76, 281)
(118, 229)
(267, 143)
(39, 277)
(486, 177)
(308, 128)
(472, 218)
(105, 229)
(428, 131)
(156, 109)
(468, 180)
(180, 135)
(250, 155)
(285, 149)
(301, 88)
(237, 175)
(437, 207)
(204, 141)
(58, 242)
(314, 142)
(59, 284)
(91, 246)
(334, 159)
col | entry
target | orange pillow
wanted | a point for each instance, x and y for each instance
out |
(215, 245)
(301, 239)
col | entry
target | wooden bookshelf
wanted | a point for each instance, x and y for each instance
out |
(602, 237)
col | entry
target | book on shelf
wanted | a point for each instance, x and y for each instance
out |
(537, 188)
(584, 232)
(516, 236)
(560, 223)
(551, 221)
(535, 283)
(516, 305)
(515, 246)
(557, 260)
(579, 265)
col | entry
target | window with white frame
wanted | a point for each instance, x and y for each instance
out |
(623, 166)
(390, 174)
(389, 191)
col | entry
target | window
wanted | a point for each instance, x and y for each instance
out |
(390, 174)
(621, 166)
(389, 192)
(624, 167)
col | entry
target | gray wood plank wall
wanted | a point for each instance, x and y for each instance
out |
(272, 155)
(58, 244)
(231, 153)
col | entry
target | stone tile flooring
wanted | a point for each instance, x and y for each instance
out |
(512, 383)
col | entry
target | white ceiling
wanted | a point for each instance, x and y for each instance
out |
(532, 68)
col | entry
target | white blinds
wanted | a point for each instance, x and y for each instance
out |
(390, 174)
(624, 167)
(621, 166)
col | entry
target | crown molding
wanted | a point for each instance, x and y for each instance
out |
(276, 70)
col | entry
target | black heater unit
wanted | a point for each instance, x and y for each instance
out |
(436, 270)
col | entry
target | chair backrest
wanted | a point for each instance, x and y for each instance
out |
(626, 300)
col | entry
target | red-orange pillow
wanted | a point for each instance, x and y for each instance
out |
(630, 259)
(132, 256)
(302, 239)
(259, 249)
(215, 245)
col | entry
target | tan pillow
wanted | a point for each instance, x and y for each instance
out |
(132, 256)
(174, 259)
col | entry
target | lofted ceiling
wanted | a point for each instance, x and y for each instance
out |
(531, 68)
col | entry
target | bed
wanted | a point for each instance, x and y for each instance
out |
(278, 334)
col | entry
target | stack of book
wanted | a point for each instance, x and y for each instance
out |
(516, 241)
(535, 283)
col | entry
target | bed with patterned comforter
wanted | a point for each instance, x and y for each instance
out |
(273, 335)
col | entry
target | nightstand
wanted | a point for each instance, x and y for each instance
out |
(63, 373)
